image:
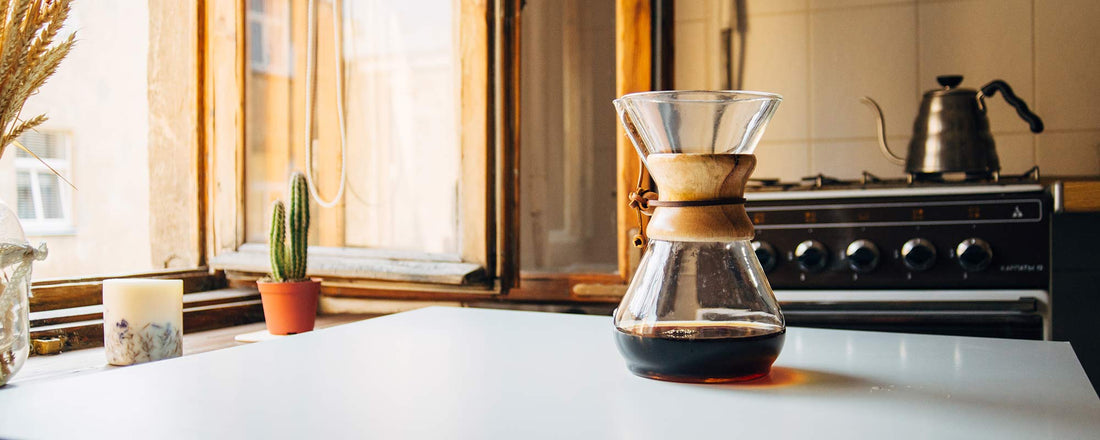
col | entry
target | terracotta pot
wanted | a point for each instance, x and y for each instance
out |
(289, 308)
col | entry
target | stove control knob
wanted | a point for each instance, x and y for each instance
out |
(765, 252)
(812, 256)
(974, 254)
(918, 254)
(862, 255)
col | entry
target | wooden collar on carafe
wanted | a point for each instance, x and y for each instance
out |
(701, 200)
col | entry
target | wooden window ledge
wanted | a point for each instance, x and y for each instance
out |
(91, 360)
(351, 263)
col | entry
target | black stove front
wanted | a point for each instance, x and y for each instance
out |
(951, 258)
(972, 241)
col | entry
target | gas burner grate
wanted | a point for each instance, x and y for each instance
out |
(821, 180)
(1031, 175)
(870, 180)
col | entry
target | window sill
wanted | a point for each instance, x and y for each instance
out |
(31, 232)
(91, 360)
(349, 263)
(81, 326)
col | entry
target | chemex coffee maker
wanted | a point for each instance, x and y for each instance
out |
(951, 132)
(699, 308)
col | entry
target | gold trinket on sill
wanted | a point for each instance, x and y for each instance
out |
(49, 345)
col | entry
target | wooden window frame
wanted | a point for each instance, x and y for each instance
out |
(488, 41)
(196, 113)
(70, 309)
(633, 73)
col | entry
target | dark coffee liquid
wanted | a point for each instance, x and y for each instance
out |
(701, 352)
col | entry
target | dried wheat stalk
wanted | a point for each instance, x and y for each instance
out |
(27, 58)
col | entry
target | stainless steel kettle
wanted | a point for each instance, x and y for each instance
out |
(951, 133)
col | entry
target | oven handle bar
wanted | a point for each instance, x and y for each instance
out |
(1022, 305)
(916, 295)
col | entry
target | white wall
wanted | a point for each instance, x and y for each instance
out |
(823, 55)
(99, 96)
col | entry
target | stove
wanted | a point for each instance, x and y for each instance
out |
(965, 256)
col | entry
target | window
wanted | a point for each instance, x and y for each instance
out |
(267, 30)
(421, 195)
(431, 96)
(98, 136)
(130, 132)
(568, 166)
(125, 133)
(401, 98)
(44, 201)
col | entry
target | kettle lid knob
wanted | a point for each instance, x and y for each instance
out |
(949, 81)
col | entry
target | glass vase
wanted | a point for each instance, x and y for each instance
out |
(14, 290)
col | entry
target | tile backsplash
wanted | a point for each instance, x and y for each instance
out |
(823, 55)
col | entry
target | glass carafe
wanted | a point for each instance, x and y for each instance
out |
(699, 308)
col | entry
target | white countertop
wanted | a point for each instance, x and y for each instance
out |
(467, 373)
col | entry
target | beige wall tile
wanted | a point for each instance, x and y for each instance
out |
(691, 56)
(1067, 51)
(1069, 154)
(1016, 152)
(754, 7)
(857, 52)
(826, 4)
(848, 159)
(787, 161)
(982, 40)
(870, 47)
(777, 61)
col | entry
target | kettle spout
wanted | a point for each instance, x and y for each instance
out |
(882, 131)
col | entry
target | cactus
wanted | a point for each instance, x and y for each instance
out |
(289, 233)
(278, 234)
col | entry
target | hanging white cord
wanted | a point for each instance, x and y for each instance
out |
(311, 75)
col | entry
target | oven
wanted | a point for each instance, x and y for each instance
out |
(956, 258)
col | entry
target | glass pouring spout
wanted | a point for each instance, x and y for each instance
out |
(699, 308)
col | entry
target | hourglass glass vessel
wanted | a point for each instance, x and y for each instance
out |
(699, 308)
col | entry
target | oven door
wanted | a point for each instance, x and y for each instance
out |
(1017, 314)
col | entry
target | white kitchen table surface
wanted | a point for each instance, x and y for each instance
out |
(468, 373)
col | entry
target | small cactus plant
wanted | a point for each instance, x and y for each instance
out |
(289, 234)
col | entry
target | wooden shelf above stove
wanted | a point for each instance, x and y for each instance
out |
(1081, 195)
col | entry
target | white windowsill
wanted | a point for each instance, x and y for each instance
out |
(31, 231)
(354, 263)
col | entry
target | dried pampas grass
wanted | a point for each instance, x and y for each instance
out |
(28, 56)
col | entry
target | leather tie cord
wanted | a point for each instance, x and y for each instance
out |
(639, 200)
(645, 200)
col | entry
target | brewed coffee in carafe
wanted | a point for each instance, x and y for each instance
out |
(699, 308)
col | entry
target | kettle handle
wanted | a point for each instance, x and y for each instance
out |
(1021, 107)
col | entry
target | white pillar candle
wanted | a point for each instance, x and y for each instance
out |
(142, 320)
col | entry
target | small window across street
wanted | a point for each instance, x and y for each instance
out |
(44, 202)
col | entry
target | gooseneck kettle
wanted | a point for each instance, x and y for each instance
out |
(951, 132)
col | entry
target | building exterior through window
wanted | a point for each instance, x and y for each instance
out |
(43, 201)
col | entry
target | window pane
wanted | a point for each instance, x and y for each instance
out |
(256, 48)
(401, 88)
(568, 200)
(46, 145)
(98, 128)
(25, 195)
(51, 197)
